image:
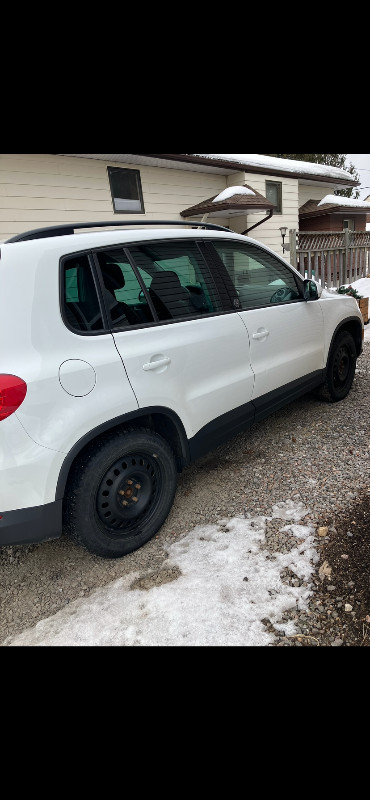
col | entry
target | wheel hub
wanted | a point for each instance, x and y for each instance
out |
(127, 491)
(130, 493)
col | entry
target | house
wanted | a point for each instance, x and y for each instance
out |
(249, 193)
(335, 214)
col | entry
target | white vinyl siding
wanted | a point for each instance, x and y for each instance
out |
(269, 232)
(307, 193)
(38, 190)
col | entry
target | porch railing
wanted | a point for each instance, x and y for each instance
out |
(332, 259)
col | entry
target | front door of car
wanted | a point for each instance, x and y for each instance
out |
(180, 350)
(286, 333)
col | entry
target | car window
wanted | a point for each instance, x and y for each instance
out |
(125, 300)
(81, 307)
(259, 278)
(178, 280)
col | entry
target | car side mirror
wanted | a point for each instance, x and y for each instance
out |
(310, 290)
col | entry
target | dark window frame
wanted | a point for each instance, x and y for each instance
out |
(111, 172)
(131, 247)
(112, 327)
(222, 284)
(229, 282)
(279, 208)
(62, 302)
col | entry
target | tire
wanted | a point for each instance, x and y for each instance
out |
(341, 369)
(120, 492)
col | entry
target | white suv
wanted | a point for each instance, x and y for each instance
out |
(127, 354)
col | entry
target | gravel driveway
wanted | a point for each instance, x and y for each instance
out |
(310, 451)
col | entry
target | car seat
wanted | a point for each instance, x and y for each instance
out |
(170, 298)
(113, 281)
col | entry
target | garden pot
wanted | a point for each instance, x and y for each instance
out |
(364, 308)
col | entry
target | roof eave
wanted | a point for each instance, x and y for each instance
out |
(321, 212)
(226, 208)
(252, 168)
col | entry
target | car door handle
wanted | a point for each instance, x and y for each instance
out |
(260, 334)
(156, 364)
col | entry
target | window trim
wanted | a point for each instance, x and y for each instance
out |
(279, 184)
(222, 282)
(128, 249)
(136, 172)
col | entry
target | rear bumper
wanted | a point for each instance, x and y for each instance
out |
(31, 525)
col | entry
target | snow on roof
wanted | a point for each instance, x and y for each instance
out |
(283, 164)
(339, 200)
(230, 192)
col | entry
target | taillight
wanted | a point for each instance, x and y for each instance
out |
(12, 393)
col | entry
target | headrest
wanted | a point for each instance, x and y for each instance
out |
(113, 276)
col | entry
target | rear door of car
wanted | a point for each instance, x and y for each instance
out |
(180, 348)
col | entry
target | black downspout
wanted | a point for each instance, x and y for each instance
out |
(244, 233)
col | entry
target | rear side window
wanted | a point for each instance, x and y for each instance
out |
(259, 277)
(81, 307)
(177, 279)
(125, 300)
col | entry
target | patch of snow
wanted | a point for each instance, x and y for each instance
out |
(231, 191)
(283, 164)
(363, 288)
(339, 200)
(227, 583)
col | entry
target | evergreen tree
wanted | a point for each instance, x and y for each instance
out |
(331, 160)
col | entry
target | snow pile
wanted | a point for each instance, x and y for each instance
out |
(231, 192)
(283, 164)
(339, 200)
(223, 584)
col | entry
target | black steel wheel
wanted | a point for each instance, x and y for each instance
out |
(341, 368)
(121, 492)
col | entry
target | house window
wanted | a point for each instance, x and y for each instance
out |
(349, 224)
(274, 195)
(125, 186)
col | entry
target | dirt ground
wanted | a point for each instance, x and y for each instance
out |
(342, 583)
(325, 461)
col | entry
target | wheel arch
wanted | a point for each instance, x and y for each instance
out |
(354, 327)
(159, 420)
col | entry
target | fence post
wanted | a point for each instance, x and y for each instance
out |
(293, 247)
(346, 255)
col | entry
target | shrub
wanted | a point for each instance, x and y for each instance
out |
(350, 290)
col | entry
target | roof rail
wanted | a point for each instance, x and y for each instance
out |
(66, 230)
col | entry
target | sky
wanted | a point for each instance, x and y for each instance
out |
(361, 162)
(226, 585)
